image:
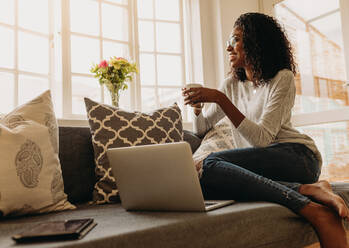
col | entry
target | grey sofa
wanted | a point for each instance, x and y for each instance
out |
(247, 225)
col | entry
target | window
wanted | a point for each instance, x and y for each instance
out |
(25, 34)
(98, 30)
(53, 44)
(161, 52)
(315, 28)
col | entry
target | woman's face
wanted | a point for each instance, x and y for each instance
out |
(235, 49)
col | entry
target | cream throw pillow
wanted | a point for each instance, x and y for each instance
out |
(219, 138)
(30, 172)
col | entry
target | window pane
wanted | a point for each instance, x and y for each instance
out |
(331, 27)
(7, 11)
(7, 47)
(311, 8)
(318, 51)
(147, 70)
(107, 97)
(84, 87)
(168, 37)
(333, 142)
(119, 1)
(167, 9)
(148, 99)
(124, 101)
(111, 49)
(30, 87)
(169, 70)
(6, 92)
(84, 16)
(85, 52)
(33, 53)
(145, 8)
(115, 22)
(189, 113)
(33, 15)
(146, 36)
(168, 97)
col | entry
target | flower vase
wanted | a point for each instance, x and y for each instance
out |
(115, 98)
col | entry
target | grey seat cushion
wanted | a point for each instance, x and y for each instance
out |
(244, 225)
(241, 225)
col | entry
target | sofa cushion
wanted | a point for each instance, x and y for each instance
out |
(77, 160)
(193, 140)
(219, 138)
(113, 127)
(241, 225)
(30, 172)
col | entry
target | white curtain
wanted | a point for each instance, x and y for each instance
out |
(192, 34)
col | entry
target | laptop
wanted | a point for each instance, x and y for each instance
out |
(159, 177)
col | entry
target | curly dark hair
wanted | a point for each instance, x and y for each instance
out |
(266, 47)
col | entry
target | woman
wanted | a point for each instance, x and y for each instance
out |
(271, 155)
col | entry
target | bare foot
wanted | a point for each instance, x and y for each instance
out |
(322, 192)
(327, 224)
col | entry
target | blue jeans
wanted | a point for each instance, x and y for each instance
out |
(273, 173)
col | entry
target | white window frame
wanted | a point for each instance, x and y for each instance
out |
(328, 116)
(62, 90)
(181, 54)
(135, 88)
(16, 71)
(66, 55)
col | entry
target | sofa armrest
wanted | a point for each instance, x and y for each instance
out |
(192, 139)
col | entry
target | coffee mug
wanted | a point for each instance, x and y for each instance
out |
(194, 85)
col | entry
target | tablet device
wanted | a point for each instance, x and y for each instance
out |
(56, 230)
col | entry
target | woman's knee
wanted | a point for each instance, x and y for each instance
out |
(211, 160)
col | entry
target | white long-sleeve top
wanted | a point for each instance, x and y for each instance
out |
(267, 111)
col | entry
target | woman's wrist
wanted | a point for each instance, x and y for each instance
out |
(219, 97)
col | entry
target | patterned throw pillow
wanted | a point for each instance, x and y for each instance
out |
(113, 127)
(30, 172)
(219, 138)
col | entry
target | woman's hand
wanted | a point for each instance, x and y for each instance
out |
(193, 96)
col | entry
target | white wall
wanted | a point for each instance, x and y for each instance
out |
(217, 20)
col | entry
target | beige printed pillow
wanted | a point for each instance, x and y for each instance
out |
(113, 127)
(219, 138)
(30, 173)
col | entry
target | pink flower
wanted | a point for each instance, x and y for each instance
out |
(103, 64)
